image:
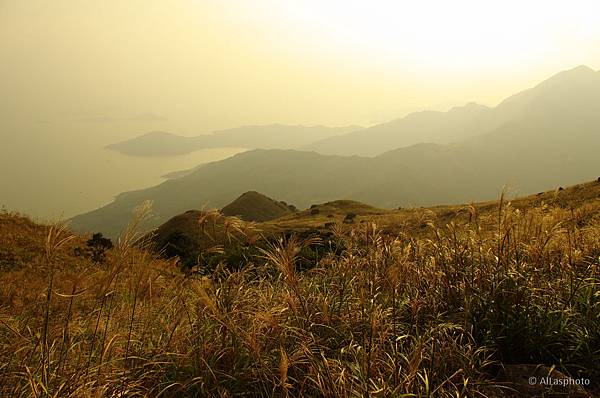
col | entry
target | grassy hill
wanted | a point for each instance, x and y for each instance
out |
(202, 239)
(254, 206)
(463, 300)
(322, 218)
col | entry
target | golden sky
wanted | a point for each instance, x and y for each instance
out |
(123, 67)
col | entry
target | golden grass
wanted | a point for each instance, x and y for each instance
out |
(430, 306)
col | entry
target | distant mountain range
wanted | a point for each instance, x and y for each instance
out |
(569, 93)
(160, 143)
(533, 141)
(426, 126)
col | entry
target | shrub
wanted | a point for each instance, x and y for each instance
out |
(349, 219)
(180, 245)
(96, 248)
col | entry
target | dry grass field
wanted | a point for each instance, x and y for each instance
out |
(433, 302)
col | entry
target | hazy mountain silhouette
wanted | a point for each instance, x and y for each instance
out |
(160, 143)
(426, 126)
(570, 98)
(552, 139)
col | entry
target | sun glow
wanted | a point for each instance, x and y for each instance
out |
(202, 65)
(435, 34)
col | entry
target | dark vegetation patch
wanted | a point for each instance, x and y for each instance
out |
(95, 248)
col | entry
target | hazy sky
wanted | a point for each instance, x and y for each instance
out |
(117, 68)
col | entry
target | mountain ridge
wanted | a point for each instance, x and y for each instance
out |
(541, 101)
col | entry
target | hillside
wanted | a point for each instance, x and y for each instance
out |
(158, 143)
(188, 234)
(254, 206)
(418, 176)
(499, 290)
(583, 197)
(196, 235)
(193, 232)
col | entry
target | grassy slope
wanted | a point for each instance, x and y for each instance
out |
(437, 297)
(410, 219)
(324, 217)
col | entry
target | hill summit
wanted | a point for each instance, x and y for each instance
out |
(254, 206)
